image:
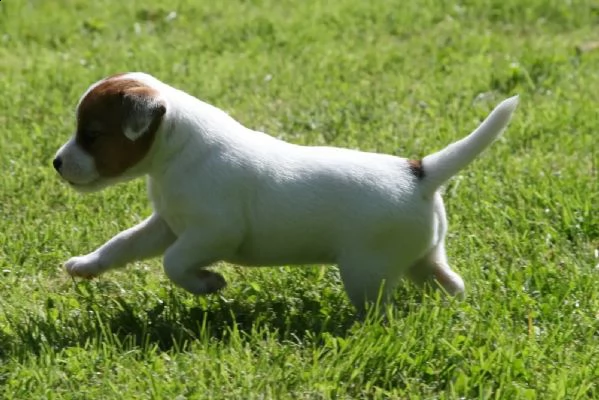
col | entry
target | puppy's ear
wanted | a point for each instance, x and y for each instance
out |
(144, 111)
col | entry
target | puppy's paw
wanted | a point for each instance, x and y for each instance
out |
(208, 282)
(87, 266)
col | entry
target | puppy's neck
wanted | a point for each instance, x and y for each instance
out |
(189, 125)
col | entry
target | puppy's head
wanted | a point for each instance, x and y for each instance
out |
(117, 121)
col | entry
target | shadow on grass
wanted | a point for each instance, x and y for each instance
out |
(171, 323)
(175, 320)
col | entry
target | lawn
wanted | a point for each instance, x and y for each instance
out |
(401, 77)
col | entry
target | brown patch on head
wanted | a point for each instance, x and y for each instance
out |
(416, 168)
(106, 118)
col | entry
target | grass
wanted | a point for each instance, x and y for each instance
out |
(398, 77)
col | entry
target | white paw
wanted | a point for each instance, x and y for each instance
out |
(87, 266)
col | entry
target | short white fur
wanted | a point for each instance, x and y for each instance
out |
(223, 192)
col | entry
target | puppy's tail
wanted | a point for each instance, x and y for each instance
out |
(437, 168)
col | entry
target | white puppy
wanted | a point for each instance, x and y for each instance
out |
(221, 191)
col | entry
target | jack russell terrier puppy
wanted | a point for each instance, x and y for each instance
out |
(224, 192)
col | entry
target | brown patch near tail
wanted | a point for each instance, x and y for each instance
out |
(103, 115)
(416, 168)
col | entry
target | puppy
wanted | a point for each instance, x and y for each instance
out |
(223, 192)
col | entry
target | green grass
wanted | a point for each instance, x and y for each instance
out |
(393, 76)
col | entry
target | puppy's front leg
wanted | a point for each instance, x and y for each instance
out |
(186, 259)
(147, 239)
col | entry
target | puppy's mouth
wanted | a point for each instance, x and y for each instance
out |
(81, 186)
(88, 187)
(77, 184)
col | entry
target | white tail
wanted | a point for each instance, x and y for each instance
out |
(439, 167)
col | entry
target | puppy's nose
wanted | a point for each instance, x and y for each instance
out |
(57, 163)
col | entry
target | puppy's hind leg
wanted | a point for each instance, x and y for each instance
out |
(434, 266)
(368, 278)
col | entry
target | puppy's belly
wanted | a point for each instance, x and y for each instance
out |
(277, 251)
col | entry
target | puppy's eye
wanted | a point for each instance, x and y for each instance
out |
(89, 135)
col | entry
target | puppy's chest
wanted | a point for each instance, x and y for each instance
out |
(173, 207)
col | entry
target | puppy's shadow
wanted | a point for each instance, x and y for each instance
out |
(173, 321)
(173, 324)
(180, 318)
(170, 322)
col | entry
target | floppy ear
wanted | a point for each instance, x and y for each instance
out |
(144, 111)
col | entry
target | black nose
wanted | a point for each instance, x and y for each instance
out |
(57, 163)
